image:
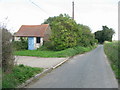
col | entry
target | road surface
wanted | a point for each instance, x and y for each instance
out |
(90, 70)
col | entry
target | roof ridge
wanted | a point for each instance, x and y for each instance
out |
(34, 30)
(35, 25)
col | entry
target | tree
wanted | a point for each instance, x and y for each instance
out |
(104, 35)
(99, 37)
(66, 33)
(85, 38)
(63, 32)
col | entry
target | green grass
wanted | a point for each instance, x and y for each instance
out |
(112, 50)
(19, 75)
(63, 53)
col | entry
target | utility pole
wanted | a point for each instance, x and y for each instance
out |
(73, 10)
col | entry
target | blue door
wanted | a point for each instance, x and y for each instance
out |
(31, 43)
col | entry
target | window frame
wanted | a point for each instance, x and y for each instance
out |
(38, 39)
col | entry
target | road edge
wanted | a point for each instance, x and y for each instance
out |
(49, 70)
(42, 73)
(109, 65)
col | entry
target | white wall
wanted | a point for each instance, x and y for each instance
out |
(37, 45)
(41, 41)
(17, 38)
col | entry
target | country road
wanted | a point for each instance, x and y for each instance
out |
(90, 70)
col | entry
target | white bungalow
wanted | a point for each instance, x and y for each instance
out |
(36, 35)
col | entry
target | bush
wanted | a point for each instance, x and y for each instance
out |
(48, 46)
(19, 75)
(112, 50)
(66, 33)
(7, 51)
(20, 45)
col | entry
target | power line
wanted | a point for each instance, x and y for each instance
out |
(38, 6)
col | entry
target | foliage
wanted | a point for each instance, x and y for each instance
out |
(47, 53)
(66, 33)
(19, 75)
(112, 50)
(85, 38)
(47, 46)
(104, 35)
(7, 51)
(63, 32)
(20, 45)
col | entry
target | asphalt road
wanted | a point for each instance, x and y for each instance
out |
(90, 70)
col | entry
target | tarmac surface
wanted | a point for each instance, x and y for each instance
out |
(90, 70)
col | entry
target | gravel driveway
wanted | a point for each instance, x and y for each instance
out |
(38, 62)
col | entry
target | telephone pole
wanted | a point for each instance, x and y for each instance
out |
(73, 10)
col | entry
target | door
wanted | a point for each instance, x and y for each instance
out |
(31, 43)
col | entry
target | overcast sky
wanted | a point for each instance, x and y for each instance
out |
(93, 13)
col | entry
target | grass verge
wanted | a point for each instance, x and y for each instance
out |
(112, 50)
(19, 75)
(46, 53)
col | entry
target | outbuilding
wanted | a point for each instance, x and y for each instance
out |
(35, 34)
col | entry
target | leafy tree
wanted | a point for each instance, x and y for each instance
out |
(85, 38)
(63, 32)
(98, 36)
(104, 35)
(66, 33)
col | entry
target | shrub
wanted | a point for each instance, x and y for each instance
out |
(19, 75)
(20, 45)
(66, 33)
(7, 51)
(42, 48)
(48, 46)
(112, 50)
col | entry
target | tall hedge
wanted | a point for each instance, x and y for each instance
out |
(20, 45)
(7, 51)
(66, 33)
(112, 50)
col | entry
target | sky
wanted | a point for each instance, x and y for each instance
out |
(93, 13)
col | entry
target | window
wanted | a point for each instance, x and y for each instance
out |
(37, 39)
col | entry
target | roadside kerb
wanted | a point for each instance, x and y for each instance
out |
(61, 63)
(42, 73)
(47, 71)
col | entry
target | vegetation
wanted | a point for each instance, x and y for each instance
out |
(19, 75)
(104, 35)
(7, 51)
(112, 50)
(48, 53)
(66, 33)
(86, 38)
(20, 45)
(13, 75)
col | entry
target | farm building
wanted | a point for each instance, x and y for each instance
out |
(36, 35)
